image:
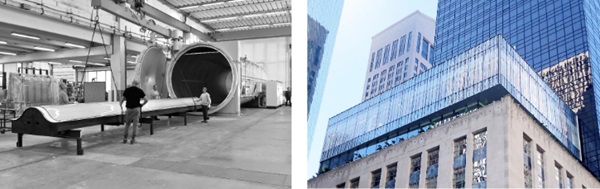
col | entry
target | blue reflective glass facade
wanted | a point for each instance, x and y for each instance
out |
(456, 87)
(591, 132)
(327, 15)
(544, 33)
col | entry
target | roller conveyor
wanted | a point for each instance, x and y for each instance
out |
(61, 120)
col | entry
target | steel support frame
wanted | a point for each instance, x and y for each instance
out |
(125, 13)
(254, 34)
(61, 54)
(176, 23)
(30, 21)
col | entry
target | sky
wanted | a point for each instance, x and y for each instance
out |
(360, 20)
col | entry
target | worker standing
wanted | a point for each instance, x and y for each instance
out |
(288, 97)
(205, 103)
(133, 95)
(63, 98)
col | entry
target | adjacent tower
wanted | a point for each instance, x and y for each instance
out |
(558, 39)
(398, 53)
(323, 21)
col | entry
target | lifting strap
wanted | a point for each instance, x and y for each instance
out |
(97, 26)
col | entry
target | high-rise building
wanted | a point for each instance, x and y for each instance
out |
(324, 18)
(398, 53)
(455, 88)
(483, 118)
(317, 36)
(559, 39)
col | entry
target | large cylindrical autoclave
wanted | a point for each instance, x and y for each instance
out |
(203, 65)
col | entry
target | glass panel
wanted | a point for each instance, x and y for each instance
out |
(479, 160)
(527, 163)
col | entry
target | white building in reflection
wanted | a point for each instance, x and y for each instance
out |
(398, 53)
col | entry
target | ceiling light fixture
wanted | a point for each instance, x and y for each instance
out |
(132, 62)
(81, 66)
(74, 45)
(8, 53)
(253, 15)
(44, 49)
(105, 58)
(234, 1)
(228, 18)
(220, 19)
(211, 20)
(24, 36)
(3, 42)
(96, 64)
(213, 4)
(281, 24)
(55, 63)
(224, 29)
(275, 13)
(239, 28)
(260, 26)
(75, 61)
(189, 7)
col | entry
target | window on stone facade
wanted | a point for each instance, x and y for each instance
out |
(558, 174)
(372, 61)
(408, 42)
(418, 42)
(402, 45)
(391, 176)
(425, 48)
(540, 168)
(415, 171)
(423, 67)
(480, 159)
(386, 54)
(354, 182)
(569, 180)
(460, 150)
(394, 50)
(432, 168)
(342, 185)
(378, 60)
(527, 163)
(375, 178)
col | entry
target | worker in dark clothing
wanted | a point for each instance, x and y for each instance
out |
(132, 95)
(288, 97)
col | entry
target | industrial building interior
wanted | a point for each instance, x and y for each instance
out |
(92, 50)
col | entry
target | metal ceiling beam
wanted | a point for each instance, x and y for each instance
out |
(125, 13)
(64, 54)
(107, 68)
(26, 43)
(236, 6)
(16, 49)
(246, 13)
(27, 21)
(176, 23)
(135, 47)
(254, 34)
(222, 7)
(42, 42)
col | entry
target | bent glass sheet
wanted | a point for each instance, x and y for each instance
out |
(74, 112)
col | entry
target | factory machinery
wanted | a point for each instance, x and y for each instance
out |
(182, 79)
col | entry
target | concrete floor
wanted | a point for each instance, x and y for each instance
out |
(251, 151)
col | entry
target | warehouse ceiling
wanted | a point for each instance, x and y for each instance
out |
(223, 16)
